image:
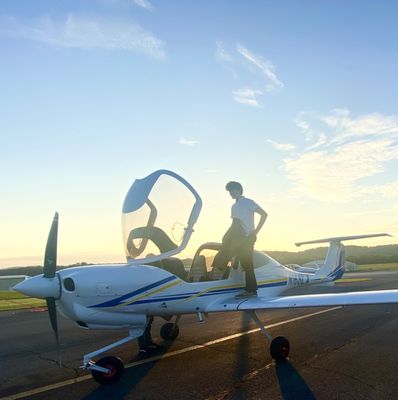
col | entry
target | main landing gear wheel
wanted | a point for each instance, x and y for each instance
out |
(279, 348)
(116, 367)
(169, 331)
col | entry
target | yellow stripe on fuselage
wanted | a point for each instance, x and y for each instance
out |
(214, 288)
(351, 280)
(150, 293)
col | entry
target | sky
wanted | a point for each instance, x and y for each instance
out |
(297, 100)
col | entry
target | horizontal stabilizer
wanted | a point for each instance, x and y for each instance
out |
(338, 239)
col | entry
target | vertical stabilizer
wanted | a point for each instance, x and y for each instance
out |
(333, 267)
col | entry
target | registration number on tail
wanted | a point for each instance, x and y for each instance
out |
(298, 280)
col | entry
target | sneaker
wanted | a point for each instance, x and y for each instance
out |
(245, 294)
(153, 346)
(149, 348)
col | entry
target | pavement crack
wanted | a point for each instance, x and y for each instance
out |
(238, 384)
(352, 377)
(58, 363)
(328, 351)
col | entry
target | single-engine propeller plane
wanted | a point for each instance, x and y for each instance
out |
(154, 281)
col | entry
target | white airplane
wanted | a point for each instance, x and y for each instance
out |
(154, 282)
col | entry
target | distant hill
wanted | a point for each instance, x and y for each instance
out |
(356, 254)
(33, 270)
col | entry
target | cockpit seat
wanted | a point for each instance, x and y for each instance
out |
(153, 233)
(164, 244)
(198, 270)
(217, 273)
(173, 265)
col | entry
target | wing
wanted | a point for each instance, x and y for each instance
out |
(312, 300)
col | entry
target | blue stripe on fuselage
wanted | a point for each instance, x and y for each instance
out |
(212, 293)
(338, 272)
(120, 299)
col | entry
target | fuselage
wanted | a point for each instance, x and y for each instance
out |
(104, 295)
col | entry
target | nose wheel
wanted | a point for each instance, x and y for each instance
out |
(110, 370)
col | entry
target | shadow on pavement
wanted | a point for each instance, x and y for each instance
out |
(242, 362)
(130, 379)
(292, 385)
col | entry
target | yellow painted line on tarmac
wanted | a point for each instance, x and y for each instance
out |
(166, 355)
(351, 280)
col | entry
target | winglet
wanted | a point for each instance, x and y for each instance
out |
(338, 239)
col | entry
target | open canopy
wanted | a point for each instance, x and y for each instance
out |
(158, 216)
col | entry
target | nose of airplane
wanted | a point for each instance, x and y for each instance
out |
(39, 287)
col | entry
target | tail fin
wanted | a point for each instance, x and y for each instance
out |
(333, 267)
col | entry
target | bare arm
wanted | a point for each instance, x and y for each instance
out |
(263, 217)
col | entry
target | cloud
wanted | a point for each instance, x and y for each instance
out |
(321, 140)
(85, 33)
(344, 150)
(247, 96)
(265, 66)
(221, 54)
(373, 125)
(281, 146)
(188, 142)
(386, 190)
(144, 4)
(251, 67)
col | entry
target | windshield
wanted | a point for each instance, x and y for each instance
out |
(159, 212)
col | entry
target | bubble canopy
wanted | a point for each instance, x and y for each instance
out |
(158, 216)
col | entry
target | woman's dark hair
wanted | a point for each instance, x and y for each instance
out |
(234, 186)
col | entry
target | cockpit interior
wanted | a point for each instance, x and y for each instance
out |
(159, 213)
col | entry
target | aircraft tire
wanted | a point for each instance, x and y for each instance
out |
(116, 370)
(169, 331)
(279, 348)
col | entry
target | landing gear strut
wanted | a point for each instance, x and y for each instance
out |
(109, 369)
(280, 347)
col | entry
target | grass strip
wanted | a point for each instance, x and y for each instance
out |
(19, 304)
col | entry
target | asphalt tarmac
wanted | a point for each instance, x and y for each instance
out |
(338, 353)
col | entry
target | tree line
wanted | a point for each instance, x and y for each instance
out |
(356, 254)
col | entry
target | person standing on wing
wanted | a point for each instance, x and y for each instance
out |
(240, 238)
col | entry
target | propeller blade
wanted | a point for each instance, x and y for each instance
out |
(50, 257)
(52, 312)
